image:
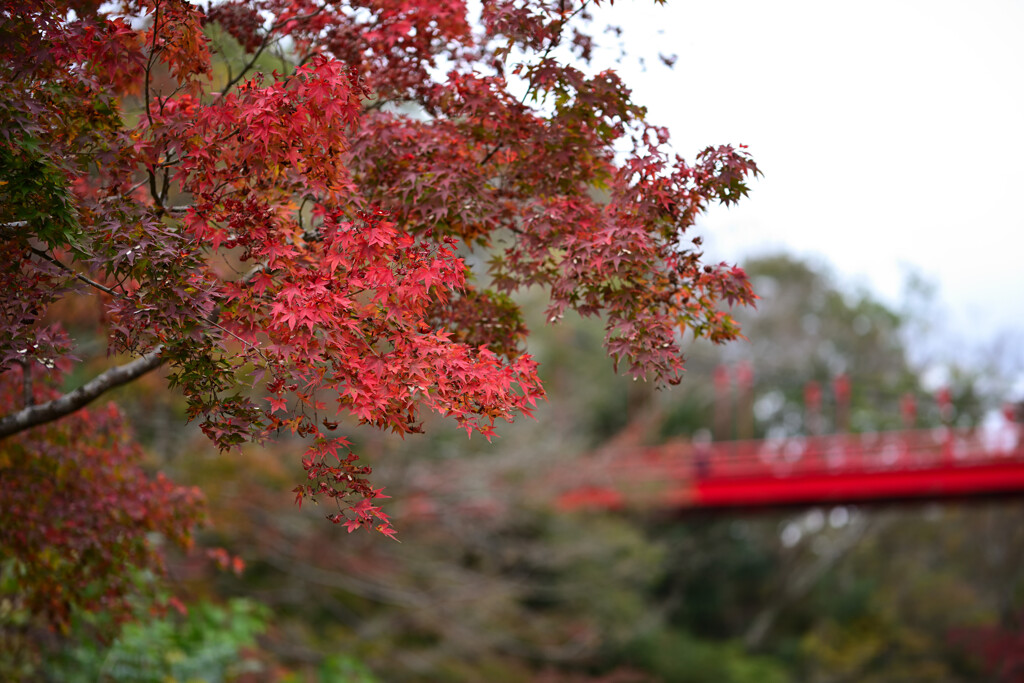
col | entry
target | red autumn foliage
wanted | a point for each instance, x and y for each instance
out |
(78, 509)
(290, 245)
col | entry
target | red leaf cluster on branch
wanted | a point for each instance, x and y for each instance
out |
(291, 244)
(78, 510)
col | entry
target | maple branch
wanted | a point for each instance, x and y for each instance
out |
(491, 153)
(556, 40)
(378, 104)
(63, 266)
(263, 46)
(211, 320)
(31, 416)
(547, 52)
(114, 197)
(149, 65)
(232, 82)
(253, 272)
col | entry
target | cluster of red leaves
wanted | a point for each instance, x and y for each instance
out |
(290, 245)
(79, 512)
(241, 21)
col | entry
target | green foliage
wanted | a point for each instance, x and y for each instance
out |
(206, 644)
(679, 657)
(35, 191)
(344, 669)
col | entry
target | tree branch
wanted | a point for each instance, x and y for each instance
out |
(83, 395)
(267, 40)
(60, 264)
(799, 584)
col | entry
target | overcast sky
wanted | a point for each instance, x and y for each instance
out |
(891, 135)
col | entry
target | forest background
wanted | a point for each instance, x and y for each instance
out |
(491, 583)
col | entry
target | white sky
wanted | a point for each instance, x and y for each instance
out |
(890, 133)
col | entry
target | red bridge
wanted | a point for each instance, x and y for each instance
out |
(821, 469)
(833, 469)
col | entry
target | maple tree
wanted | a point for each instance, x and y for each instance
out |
(290, 246)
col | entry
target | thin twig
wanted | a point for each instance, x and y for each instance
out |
(112, 198)
(263, 46)
(27, 395)
(92, 283)
(555, 42)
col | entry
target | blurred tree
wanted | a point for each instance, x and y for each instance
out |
(846, 593)
(808, 329)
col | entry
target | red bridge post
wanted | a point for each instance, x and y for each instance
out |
(908, 411)
(945, 401)
(812, 425)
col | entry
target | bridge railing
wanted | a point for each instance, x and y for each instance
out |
(848, 453)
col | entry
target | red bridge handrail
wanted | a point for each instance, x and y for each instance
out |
(848, 453)
(684, 474)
